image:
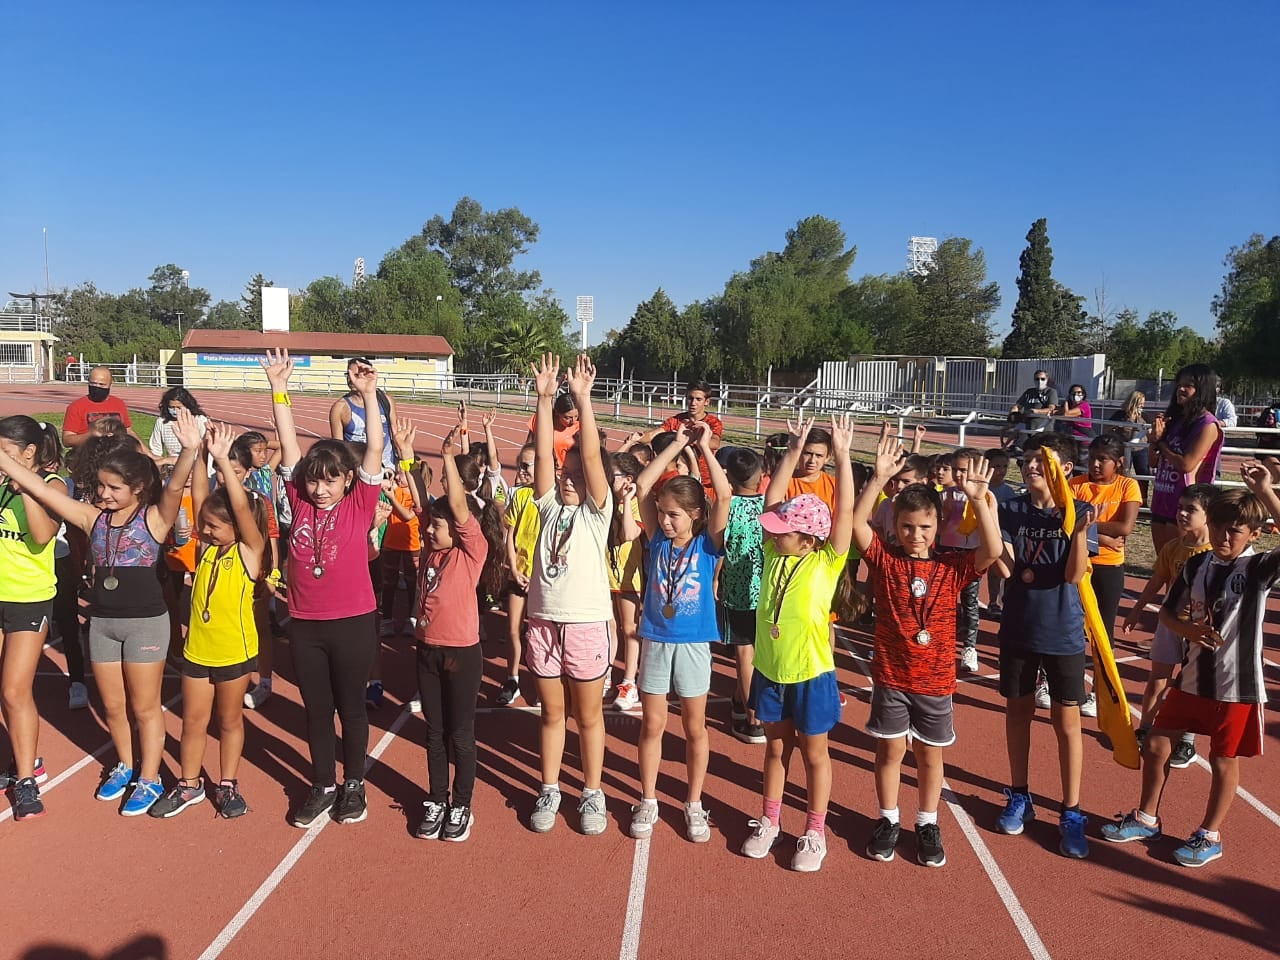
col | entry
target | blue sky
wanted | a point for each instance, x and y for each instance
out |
(664, 146)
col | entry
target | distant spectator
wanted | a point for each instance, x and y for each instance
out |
(1077, 406)
(99, 403)
(165, 445)
(1030, 414)
(1226, 412)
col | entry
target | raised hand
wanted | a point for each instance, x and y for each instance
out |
(404, 433)
(1084, 520)
(889, 457)
(365, 379)
(977, 480)
(798, 432)
(841, 434)
(279, 368)
(187, 429)
(684, 435)
(1256, 477)
(1157, 429)
(581, 376)
(700, 435)
(218, 439)
(487, 419)
(546, 375)
(920, 430)
(447, 445)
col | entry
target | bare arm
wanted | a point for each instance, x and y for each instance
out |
(977, 487)
(842, 519)
(581, 377)
(491, 442)
(1190, 461)
(457, 493)
(545, 378)
(718, 519)
(649, 477)
(251, 539)
(889, 457)
(1149, 593)
(630, 526)
(339, 413)
(366, 381)
(777, 491)
(40, 524)
(48, 496)
(191, 437)
(1125, 519)
(279, 369)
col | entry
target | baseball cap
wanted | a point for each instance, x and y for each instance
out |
(806, 513)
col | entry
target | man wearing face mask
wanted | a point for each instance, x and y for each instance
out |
(1030, 414)
(82, 413)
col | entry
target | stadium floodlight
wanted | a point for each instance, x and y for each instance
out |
(920, 255)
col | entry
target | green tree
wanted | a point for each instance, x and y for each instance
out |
(1247, 309)
(1044, 324)
(323, 306)
(479, 248)
(955, 302)
(171, 294)
(226, 315)
(887, 308)
(251, 301)
(1139, 350)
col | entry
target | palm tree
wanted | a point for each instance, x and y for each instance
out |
(517, 344)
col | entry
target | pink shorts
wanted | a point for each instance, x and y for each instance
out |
(578, 651)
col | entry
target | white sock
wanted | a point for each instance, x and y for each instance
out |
(515, 677)
(648, 801)
(549, 787)
(925, 817)
(695, 806)
(890, 815)
(1146, 819)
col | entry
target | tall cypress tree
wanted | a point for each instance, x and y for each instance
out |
(1035, 330)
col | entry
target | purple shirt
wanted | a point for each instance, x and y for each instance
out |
(1169, 483)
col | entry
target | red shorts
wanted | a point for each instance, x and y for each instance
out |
(576, 651)
(1233, 729)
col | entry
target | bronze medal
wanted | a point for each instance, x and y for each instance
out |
(668, 611)
(775, 632)
(1028, 575)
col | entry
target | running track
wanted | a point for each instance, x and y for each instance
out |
(86, 883)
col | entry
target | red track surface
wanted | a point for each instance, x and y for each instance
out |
(84, 882)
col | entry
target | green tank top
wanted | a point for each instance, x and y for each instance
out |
(26, 568)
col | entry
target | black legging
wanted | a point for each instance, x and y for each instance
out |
(1108, 587)
(448, 683)
(395, 564)
(66, 614)
(332, 659)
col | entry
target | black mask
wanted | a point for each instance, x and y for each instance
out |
(98, 394)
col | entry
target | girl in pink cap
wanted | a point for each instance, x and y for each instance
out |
(794, 691)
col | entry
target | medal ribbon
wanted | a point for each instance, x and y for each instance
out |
(563, 532)
(113, 547)
(780, 586)
(220, 553)
(930, 597)
(318, 533)
(675, 573)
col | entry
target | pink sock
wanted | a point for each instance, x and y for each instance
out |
(773, 810)
(817, 822)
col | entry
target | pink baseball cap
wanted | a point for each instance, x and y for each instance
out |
(806, 513)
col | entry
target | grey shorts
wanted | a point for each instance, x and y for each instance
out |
(684, 668)
(895, 713)
(1167, 647)
(129, 639)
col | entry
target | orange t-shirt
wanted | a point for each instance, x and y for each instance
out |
(562, 441)
(183, 558)
(823, 486)
(402, 534)
(1106, 500)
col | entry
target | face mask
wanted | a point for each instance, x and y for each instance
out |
(98, 394)
(1077, 396)
(173, 412)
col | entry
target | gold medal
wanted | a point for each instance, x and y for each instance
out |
(775, 632)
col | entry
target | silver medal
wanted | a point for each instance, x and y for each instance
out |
(317, 571)
(923, 638)
(110, 583)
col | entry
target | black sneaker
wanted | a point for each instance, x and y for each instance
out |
(226, 797)
(883, 839)
(748, 732)
(27, 804)
(457, 824)
(317, 803)
(373, 695)
(929, 845)
(177, 799)
(9, 776)
(432, 821)
(507, 695)
(1183, 756)
(351, 806)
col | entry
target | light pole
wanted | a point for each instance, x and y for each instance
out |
(179, 314)
(439, 297)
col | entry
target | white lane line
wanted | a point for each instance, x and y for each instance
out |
(635, 902)
(1010, 899)
(83, 762)
(268, 886)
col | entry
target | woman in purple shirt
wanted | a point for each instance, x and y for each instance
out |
(1186, 440)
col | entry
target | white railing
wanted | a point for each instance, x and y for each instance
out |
(25, 322)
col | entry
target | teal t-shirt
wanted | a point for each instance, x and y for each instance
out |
(743, 554)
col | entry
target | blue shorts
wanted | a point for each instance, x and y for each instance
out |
(812, 705)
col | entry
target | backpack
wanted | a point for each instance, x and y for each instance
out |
(1269, 419)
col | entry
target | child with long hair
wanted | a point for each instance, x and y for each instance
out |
(569, 611)
(678, 623)
(459, 557)
(221, 647)
(129, 629)
(793, 689)
(1186, 442)
(27, 589)
(333, 498)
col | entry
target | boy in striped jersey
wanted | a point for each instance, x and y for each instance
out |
(1217, 605)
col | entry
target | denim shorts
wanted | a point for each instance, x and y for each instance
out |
(812, 705)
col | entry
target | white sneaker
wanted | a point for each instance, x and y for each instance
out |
(544, 811)
(1042, 696)
(628, 696)
(643, 817)
(78, 696)
(697, 825)
(255, 697)
(1090, 706)
(969, 660)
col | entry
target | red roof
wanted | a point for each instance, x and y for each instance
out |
(333, 344)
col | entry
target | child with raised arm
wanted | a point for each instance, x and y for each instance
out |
(917, 591)
(521, 524)
(333, 498)
(793, 689)
(1218, 606)
(678, 622)
(567, 648)
(954, 534)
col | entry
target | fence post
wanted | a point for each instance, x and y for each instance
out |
(758, 402)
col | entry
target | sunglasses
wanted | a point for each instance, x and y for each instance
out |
(527, 467)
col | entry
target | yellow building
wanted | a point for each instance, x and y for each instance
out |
(229, 360)
(26, 348)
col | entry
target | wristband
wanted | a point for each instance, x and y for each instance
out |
(281, 398)
(273, 578)
(406, 466)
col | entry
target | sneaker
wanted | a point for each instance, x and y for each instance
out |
(177, 799)
(228, 801)
(415, 705)
(969, 660)
(737, 710)
(764, 834)
(318, 802)
(1183, 756)
(351, 806)
(544, 811)
(10, 777)
(373, 694)
(883, 840)
(1018, 810)
(844, 702)
(628, 696)
(592, 820)
(115, 784)
(27, 804)
(457, 824)
(507, 695)
(1042, 696)
(388, 629)
(929, 845)
(78, 696)
(1128, 828)
(748, 732)
(1198, 850)
(257, 695)
(1090, 706)
(1074, 843)
(643, 817)
(811, 850)
(608, 685)
(697, 823)
(432, 821)
(145, 794)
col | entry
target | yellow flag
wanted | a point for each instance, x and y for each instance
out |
(1114, 718)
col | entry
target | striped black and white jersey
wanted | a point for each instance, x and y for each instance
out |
(1232, 598)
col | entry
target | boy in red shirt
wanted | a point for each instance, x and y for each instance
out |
(914, 665)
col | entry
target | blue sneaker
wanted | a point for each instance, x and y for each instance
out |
(116, 783)
(1074, 843)
(1198, 850)
(1129, 827)
(144, 795)
(1018, 810)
